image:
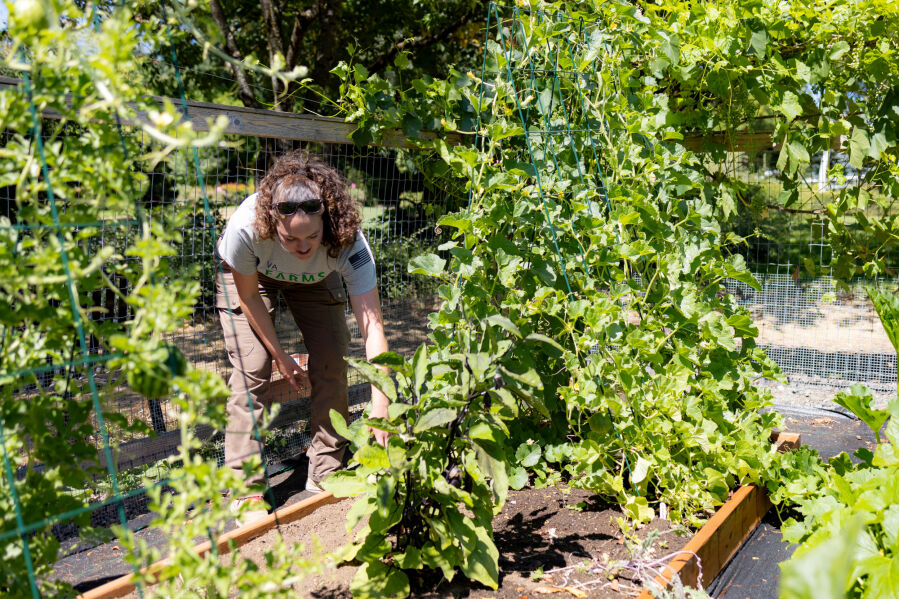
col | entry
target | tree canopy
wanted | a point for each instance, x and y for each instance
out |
(314, 35)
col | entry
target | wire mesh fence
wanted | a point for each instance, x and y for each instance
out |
(819, 329)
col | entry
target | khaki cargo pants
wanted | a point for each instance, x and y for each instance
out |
(319, 311)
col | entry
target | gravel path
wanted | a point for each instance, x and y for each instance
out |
(806, 392)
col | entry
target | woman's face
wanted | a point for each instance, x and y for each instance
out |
(300, 233)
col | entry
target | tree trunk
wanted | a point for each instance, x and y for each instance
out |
(275, 45)
(244, 91)
(326, 48)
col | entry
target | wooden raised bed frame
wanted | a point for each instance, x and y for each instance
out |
(709, 549)
(721, 537)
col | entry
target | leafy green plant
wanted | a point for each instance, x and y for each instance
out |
(849, 525)
(450, 418)
(592, 252)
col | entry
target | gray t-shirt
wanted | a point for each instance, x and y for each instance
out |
(241, 248)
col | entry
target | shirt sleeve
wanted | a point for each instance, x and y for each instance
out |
(236, 248)
(357, 266)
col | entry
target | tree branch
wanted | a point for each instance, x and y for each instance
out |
(421, 42)
(300, 26)
(244, 91)
(795, 210)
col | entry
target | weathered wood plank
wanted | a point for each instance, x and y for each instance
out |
(303, 127)
(716, 542)
(271, 124)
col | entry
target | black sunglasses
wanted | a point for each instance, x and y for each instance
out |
(313, 206)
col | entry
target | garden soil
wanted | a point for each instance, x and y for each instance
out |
(565, 534)
(536, 529)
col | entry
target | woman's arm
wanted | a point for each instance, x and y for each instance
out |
(257, 315)
(367, 309)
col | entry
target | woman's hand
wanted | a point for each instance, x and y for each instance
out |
(379, 403)
(295, 374)
(257, 315)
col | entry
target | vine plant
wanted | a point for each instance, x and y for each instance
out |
(596, 246)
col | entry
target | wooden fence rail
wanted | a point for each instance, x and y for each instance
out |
(253, 122)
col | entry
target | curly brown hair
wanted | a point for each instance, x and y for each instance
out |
(341, 214)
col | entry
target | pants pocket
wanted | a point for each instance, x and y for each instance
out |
(226, 292)
(334, 284)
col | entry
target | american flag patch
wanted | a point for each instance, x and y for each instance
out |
(360, 258)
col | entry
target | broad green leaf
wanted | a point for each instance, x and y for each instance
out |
(363, 507)
(384, 494)
(527, 454)
(641, 469)
(376, 580)
(838, 49)
(375, 376)
(397, 409)
(891, 529)
(482, 564)
(483, 430)
(529, 377)
(374, 547)
(445, 558)
(433, 418)
(518, 478)
(410, 560)
(759, 43)
(494, 468)
(638, 508)
(884, 456)
(859, 400)
(882, 579)
(742, 324)
(736, 269)
(427, 264)
(544, 339)
(822, 571)
(344, 483)
(791, 108)
(339, 424)
(505, 323)
(503, 130)
(454, 220)
(372, 456)
(420, 368)
(479, 363)
(392, 360)
(858, 147)
(481, 558)
(600, 422)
